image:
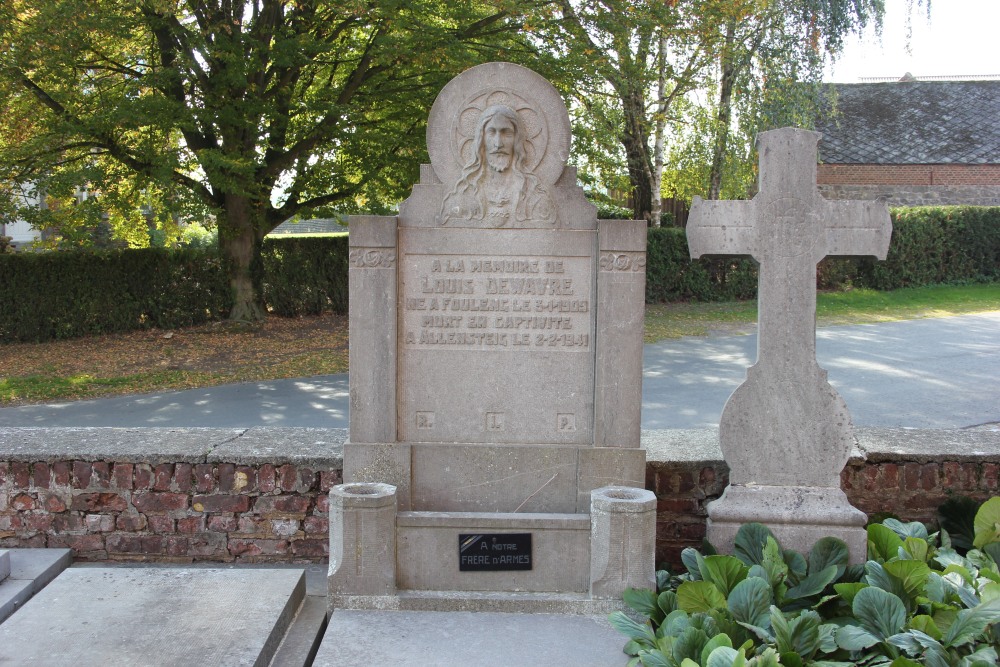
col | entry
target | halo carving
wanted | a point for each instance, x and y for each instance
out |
(452, 123)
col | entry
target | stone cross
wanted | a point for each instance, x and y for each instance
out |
(785, 426)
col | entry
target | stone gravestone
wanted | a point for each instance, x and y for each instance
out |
(785, 432)
(496, 368)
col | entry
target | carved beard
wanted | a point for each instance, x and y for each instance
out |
(499, 162)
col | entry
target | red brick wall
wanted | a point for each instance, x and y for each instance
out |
(908, 174)
(168, 512)
(910, 490)
(227, 512)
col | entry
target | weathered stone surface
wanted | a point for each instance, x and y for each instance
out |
(785, 426)
(500, 348)
(279, 445)
(163, 616)
(428, 552)
(29, 571)
(362, 539)
(623, 541)
(437, 639)
(372, 285)
(486, 478)
(148, 445)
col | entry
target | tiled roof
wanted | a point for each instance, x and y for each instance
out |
(914, 122)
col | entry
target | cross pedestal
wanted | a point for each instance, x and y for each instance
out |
(785, 432)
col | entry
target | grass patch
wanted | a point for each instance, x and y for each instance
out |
(147, 361)
(857, 306)
(44, 388)
(869, 306)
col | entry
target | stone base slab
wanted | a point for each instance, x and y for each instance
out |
(798, 516)
(359, 638)
(473, 601)
(30, 571)
(167, 616)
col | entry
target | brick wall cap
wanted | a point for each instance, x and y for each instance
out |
(319, 448)
(930, 445)
(322, 449)
(700, 447)
(114, 445)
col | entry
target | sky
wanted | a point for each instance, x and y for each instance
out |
(959, 39)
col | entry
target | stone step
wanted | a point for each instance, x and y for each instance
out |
(303, 638)
(483, 639)
(166, 616)
(29, 571)
(574, 604)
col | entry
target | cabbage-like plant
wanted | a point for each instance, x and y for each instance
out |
(916, 601)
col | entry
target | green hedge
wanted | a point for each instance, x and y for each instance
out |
(55, 295)
(67, 294)
(929, 246)
(671, 275)
(305, 276)
(946, 244)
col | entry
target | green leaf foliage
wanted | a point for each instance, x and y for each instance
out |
(645, 602)
(987, 523)
(814, 583)
(940, 609)
(750, 541)
(724, 656)
(883, 542)
(750, 601)
(637, 632)
(259, 111)
(699, 596)
(881, 613)
(723, 571)
(829, 551)
(912, 574)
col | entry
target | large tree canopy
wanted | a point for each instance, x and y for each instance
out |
(258, 109)
(641, 60)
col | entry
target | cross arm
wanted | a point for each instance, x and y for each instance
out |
(720, 228)
(857, 228)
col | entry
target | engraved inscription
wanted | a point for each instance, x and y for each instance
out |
(565, 422)
(425, 420)
(372, 258)
(494, 421)
(501, 303)
(623, 261)
(494, 552)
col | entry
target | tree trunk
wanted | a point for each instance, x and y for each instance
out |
(635, 140)
(656, 212)
(725, 114)
(241, 243)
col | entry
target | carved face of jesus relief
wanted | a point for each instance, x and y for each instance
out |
(499, 135)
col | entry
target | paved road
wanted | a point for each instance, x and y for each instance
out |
(934, 373)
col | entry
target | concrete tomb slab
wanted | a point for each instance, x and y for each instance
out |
(496, 367)
(487, 639)
(145, 616)
(785, 432)
(28, 571)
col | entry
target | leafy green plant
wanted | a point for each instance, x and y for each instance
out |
(916, 601)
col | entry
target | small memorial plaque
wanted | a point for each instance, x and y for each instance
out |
(494, 551)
